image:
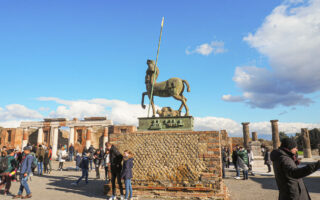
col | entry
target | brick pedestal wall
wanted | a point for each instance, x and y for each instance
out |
(174, 164)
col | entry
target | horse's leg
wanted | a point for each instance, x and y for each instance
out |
(142, 101)
(180, 98)
(185, 105)
(153, 108)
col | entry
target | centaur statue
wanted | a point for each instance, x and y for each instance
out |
(173, 87)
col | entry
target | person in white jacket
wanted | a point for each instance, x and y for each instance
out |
(106, 163)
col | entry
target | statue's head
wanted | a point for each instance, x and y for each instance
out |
(150, 64)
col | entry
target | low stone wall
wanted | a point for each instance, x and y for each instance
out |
(174, 164)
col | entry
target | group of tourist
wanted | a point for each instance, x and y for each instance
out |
(119, 165)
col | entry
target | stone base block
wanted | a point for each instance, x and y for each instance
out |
(165, 123)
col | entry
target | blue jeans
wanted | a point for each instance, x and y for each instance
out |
(40, 167)
(90, 162)
(127, 182)
(84, 175)
(70, 156)
(24, 184)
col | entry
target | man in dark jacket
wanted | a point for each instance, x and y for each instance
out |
(40, 156)
(71, 152)
(235, 161)
(287, 174)
(116, 168)
(25, 170)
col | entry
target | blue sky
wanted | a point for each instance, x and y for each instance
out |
(83, 50)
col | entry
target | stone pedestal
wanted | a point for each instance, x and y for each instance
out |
(306, 143)
(246, 134)
(275, 134)
(165, 123)
(255, 147)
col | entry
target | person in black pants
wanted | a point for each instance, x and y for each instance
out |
(116, 168)
(97, 162)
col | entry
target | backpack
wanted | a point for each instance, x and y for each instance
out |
(3, 164)
(34, 163)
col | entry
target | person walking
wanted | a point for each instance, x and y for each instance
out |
(12, 165)
(78, 161)
(46, 161)
(267, 159)
(287, 173)
(50, 158)
(224, 161)
(71, 152)
(91, 151)
(40, 156)
(243, 162)
(84, 165)
(126, 172)
(25, 170)
(235, 161)
(116, 168)
(97, 162)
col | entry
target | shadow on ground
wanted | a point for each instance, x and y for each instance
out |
(63, 183)
(312, 183)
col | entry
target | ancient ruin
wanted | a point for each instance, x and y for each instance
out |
(306, 143)
(246, 134)
(275, 134)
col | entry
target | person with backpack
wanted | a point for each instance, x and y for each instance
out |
(40, 156)
(12, 165)
(243, 162)
(84, 165)
(46, 161)
(25, 170)
(34, 163)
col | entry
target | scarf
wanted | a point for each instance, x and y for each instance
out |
(293, 156)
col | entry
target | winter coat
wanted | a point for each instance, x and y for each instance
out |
(115, 159)
(60, 156)
(97, 159)
(234, 157)
(46, 157)
(12, 164)
(224, 156)
(126, 172)
(78, 160)
(84, 163)
(289, 176)
(267, 159)
(26, 164)
(40, 154)
(244, 156)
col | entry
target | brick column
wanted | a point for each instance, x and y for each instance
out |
(55, 142)
(246, 134)
(306, 143)
(230, 144)
(40, 136)
(254, 136)
(275, 134)
(105, 136)
(71, 137)
(25, 138)
(88, 138)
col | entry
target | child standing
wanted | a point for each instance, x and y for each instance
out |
(126, 172)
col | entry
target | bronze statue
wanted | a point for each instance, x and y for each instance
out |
(168, 112)
(173, 87)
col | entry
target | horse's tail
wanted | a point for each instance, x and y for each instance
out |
(188, 86)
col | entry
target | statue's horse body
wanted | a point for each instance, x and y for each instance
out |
(173, 87)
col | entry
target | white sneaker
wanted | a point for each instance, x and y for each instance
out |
(121, 197)
(237, 177)
(75, 184)
(111, 198)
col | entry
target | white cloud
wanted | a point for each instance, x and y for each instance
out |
(17, 111)
(230, 98)
(290, 38)
(206, 49)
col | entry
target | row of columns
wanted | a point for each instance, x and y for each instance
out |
(54, 136)
(276, 138)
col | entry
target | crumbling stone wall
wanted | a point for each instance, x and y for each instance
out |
(174, 164)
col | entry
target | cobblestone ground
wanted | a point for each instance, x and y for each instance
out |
(57, 186)
(263, 187)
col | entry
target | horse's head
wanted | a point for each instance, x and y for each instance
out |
(150, 64)
(151, 71)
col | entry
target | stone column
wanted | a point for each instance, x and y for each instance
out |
(230, 144)
(306, 143)
(55, 142)
(88, 138)
(40, 136)
(246, 134)
(254, 136)
(105, 136)
(25, 138)
(71, 137)
(275, 134)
